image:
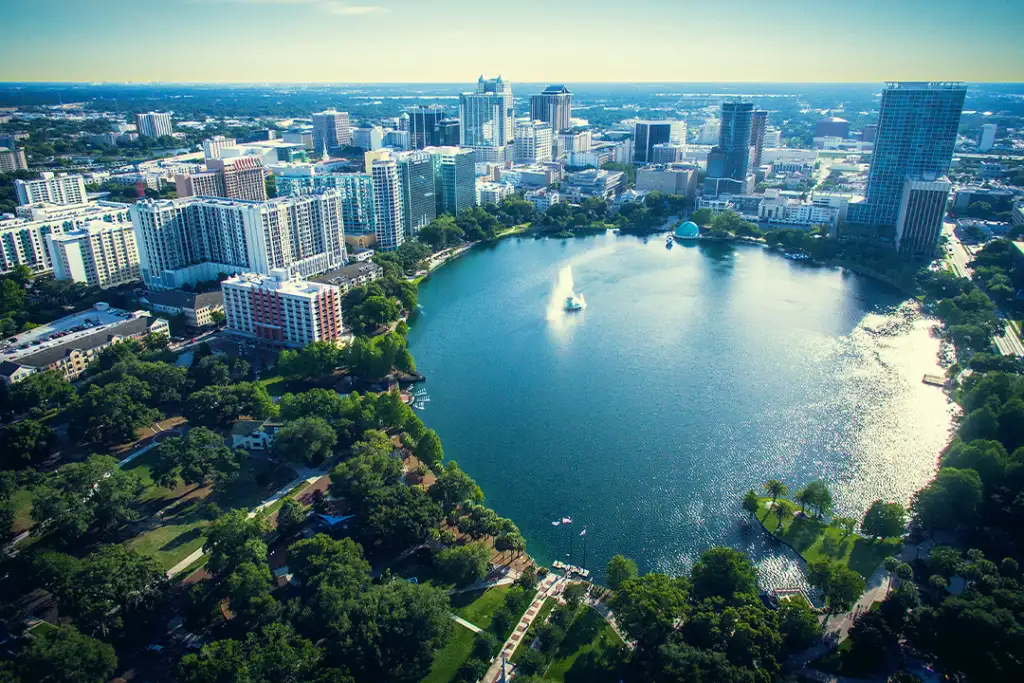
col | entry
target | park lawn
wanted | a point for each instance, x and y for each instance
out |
(479, 607)
(590, 650)
(171, 543)
(531, 633)
(274, 384)
(814, 539)
(448, 659)
(22, 499)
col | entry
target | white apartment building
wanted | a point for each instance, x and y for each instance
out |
(772, 137)
(987, 139)
(532, 142)
(783, 210)
(388, 209)
(543, 198)
(154, 124)
(184, 241)
(64, 189)
(574, 142)
(709, 132)
(278, 310)
(23, 239)
(213, 147)
(493, 193)
(368, 138)
(98, 254)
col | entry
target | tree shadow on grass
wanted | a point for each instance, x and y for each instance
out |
(803, 532)
(182, 539)
(868, 554)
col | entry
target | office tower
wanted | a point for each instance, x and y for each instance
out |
(574, 143)
(53, 189)
(987, 139)
(450, 132)
(281, 310)
(398, 139)
(98, 254)
(917, 127)
(12, 160)
(709, 132)
(153, 124)
(419, 193)
(532, 142)
(331, 131)
(368, 137)
(772, 138)
(667, 153)
(486, 116)
(213, 146)
(244, 177)
(677, 179)
(758, 128)
(554, 107)
(299, 137)
(184, 241)
(919, 222)
(832, 127)
(734, 139)
(869, 132)
(388, 209)
(455, 177)
(647, 134)
(23, 239)
(424, 125)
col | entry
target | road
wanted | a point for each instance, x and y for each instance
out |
(960, 257)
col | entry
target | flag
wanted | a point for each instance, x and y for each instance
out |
(566, 520)
(583, 533)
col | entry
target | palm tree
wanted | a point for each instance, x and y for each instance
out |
(775, 488)
(805, 497)
(751, 502)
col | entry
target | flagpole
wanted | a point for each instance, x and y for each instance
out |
(570, 549)
(584, 566)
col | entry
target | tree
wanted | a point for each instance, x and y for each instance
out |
(199, 458)
(751, 501)
(884, 520)
(84, 495)
(290, 517)
(322, 403)
(236, 538)
(217, 406)
(816, 495)
(310, 440)
(775, 489)
(274, 654)
(209, 371)
(702, 217)
(840, 584)
(110, 414)
(453, 487)
(647, 607)
(249, 589)
(63, 655)
(846, 524)
(950, 500)
(871, 640)
(798, 625)
(620, 569)
(25, 443)
(322, 560)
(429, 450)
(42, 389)
(462, 565)
(724, 573)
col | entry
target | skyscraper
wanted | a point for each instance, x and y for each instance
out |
(450, 135)
(758, 127)
(52, 189)
(533, 142)
(647, 134)
(455, 178)
(419, 194)
(917, 126)
(244, 177)
(987, 139)
(919, 222)
(425, 125)
(388, 210)
(553, 106)
(98, 254)
(486, 116)
(331, 131)
(734, 138)
(153, 124)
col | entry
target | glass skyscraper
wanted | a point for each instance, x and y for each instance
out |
(734, 139)
(917, 126)
(416, 175)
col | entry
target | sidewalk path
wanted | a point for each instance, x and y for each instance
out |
(550, 587)
(878, 586)
(472, 627)
(603, 610)
(184, 564)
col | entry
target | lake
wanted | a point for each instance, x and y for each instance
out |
(693, 374)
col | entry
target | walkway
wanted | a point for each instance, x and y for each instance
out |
(550, 587)
(605, 612)
(877, 588)
(472, 627)
(184, 564)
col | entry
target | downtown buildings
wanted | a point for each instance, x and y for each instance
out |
(647, 134)
(153, 124)
(234, 178)
(63, 189)
(913, 149)
(532, 142)
(98, 254)
(486, 120)
(728, 161)
(279, 310)
(554, 107)
(185, 241)
(332, 131)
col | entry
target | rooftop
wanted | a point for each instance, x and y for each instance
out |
(348, 273)
(86, 330)
(278, 281)
(180, 299)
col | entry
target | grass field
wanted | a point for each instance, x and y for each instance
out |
(479, 607)
(815, 539)
(449, 658)
(590, 651)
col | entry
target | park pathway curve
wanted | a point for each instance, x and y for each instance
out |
(549, 588)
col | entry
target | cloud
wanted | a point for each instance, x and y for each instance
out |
(336, 7)
(346, 10)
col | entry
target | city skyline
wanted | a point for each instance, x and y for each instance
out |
(906, 40)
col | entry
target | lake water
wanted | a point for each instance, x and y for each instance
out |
(693, 374)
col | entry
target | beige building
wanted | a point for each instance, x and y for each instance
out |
(98, 254)
(278, 310)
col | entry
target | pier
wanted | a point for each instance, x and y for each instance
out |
(570, 569)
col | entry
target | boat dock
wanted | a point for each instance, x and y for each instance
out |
(570, 569)
(934, 380)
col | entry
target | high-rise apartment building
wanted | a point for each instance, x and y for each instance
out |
(332, 131)
(919, 222)
(153, 124)
(574, 143)
(647, 134)
(368, 137)
(97, 254)
(554, 107)
(280, 310)
(758, 129)
(455, 177)
(486, 116)
(212, 147)
(184, 241)
(234, 177)
(987, 139)
(388, 208)
(532, 142)
(917, 128)
(12, 160)
(425, 125)
(419, 192)
(62, 189)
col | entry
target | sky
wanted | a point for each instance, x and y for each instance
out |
(451, 41)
